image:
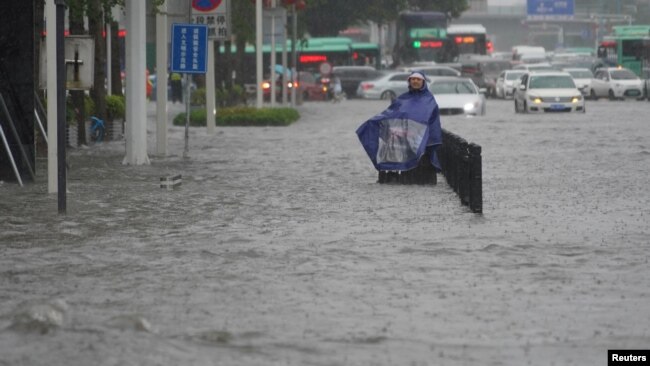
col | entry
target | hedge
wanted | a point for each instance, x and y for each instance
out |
(242, 116)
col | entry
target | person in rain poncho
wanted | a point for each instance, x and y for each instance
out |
(398, 138)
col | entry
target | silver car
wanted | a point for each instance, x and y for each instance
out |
(456, 95)
(582, 77)
(434, 70)
(387, 86)
(505, 85)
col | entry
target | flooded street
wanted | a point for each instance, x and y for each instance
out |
(280, 248)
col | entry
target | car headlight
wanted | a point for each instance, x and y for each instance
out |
(468, 107)
(576, 99)
(534, 99)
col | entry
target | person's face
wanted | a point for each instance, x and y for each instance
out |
(416, 83)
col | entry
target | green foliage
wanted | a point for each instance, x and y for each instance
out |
(115, 107)
(328, 17)
(198, 97)
(231, 97)
(223, 97)
(242, 116)
(71, 112)
(453, 7)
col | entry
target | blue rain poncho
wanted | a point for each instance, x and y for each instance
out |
(397, 138)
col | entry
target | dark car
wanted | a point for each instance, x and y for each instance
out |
(485, 71)
(351, 76)
(309, 87)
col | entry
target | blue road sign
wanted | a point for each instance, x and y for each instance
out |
(550, 9)
(189, 48)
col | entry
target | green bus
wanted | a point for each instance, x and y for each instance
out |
(311, 53)
(336, 51)
(628, 46)
(366, 54)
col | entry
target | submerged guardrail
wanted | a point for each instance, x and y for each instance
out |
(462, 167)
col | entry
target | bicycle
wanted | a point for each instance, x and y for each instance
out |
(97, 129)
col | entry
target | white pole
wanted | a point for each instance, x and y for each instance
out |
(294, 59)
(109, 57)
(258, 51)
(210, 103)
(273, 75)
(136, 114)
(285, 74)
(52, 162)
(161, 80)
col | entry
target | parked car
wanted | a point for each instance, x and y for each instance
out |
(505, 85)
(484, 72)
(615, 83)
(548, 91)
(582, 77)
(387, 86)
(351, 76)
(456, 95)
(309, 87)
(491, 70)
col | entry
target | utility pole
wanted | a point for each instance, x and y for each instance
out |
(60, 99)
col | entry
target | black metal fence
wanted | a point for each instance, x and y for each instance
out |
(463, 168)
(461, 165)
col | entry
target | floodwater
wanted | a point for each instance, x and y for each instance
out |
(279, 248)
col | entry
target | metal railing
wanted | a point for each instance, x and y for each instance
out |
(4, 113)
(463, 168)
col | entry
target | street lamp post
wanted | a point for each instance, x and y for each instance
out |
(60, 98)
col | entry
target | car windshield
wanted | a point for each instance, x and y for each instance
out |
(551, 82)
(513, 75)
(452, 87)
(623, 75)
(581, 74)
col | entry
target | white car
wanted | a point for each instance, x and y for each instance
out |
(646, 80)
(582, 77)
(433, 70)
(387, 86)
(616, 83)
(548, 91)
(456, 95)
(541, 66)
(505, 85)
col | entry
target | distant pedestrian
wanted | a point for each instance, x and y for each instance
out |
(175, 80)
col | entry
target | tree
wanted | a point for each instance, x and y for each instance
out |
(452, 7)
(328, 17)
